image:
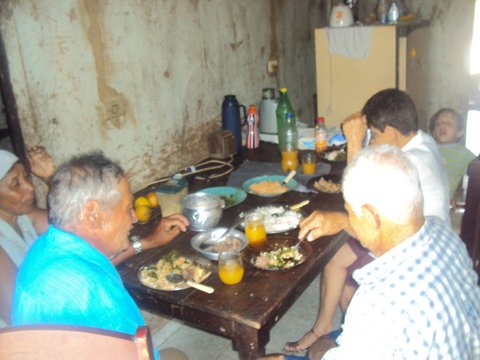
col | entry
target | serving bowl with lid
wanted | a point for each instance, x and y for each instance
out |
(202, 210)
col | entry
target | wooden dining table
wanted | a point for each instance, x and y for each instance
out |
(247, 311)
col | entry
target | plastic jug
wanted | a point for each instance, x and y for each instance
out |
(231, 118)
(268, 112)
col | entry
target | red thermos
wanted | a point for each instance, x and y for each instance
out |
(252, 133)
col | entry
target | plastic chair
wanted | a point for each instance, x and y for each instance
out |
(470, 230)
(55, 342)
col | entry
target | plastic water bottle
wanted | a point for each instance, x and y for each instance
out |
(252, 131)
(393, 13)
(284, 106)
(288, 141)
(321, 135)
(382, 12)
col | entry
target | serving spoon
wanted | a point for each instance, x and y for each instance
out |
(176, 278)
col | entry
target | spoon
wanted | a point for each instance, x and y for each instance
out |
(289, 177)
(175, 278)
(294, 207)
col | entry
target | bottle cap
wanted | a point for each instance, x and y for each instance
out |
(320, 119)
(252, 109)
(283, 90)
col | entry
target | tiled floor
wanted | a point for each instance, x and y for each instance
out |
(200, 345)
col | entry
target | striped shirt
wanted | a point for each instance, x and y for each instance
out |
(419, 300)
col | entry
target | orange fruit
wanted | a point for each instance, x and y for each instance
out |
(141, 201)
(143, 212)
(152, 198)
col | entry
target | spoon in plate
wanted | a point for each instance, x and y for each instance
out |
(290, 175)
(176, 278)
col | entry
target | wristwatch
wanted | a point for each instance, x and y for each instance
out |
(137, 244)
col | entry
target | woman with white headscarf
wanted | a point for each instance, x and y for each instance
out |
(20, 221)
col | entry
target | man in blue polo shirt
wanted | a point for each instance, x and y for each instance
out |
(67, 276)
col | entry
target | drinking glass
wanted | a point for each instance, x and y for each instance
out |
(309, 162)
(230, 267)
(255, 229)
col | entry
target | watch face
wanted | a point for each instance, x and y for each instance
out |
(137, 246)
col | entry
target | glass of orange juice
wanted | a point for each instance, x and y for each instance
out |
(289, 159)
(309, 162)
(230, 267)
(255, 229)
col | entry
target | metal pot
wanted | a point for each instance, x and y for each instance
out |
(202, 210)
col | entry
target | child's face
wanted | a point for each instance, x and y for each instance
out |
(446, 129)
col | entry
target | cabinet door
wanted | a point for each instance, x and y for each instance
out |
(344, 83)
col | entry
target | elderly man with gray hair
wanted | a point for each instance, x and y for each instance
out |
(67, 276)
(418, 299)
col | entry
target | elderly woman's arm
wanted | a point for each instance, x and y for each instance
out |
(8, 271)
(39, 219)
(41, 163)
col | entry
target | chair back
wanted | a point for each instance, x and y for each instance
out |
(470, 230)
(60, 342)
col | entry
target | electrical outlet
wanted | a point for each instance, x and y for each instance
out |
(272, 66)
(114, 108)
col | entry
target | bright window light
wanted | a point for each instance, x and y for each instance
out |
(473, 129)
(475, 47)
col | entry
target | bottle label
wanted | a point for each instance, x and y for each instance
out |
(321, 141)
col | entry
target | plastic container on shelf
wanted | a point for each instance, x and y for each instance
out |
(321, 135)
(393, 12)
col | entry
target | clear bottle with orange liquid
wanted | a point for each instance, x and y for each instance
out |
(321, 135)
(288, 141)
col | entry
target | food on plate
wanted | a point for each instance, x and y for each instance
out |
(268, 187)
(277, 219)
(229, 200)
(327, 186)
(284, 257)
(336, 155)
(155, 275)
(230, 243)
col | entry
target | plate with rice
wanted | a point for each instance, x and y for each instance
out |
(268, 185)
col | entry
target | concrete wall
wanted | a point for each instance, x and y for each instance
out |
(167, 65)
(144, 80)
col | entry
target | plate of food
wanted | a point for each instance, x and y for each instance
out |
(268, 185)
(278, 254)
(154, 275)
(334, 155)
(211, 243)
(328, 184)
(230, 195)
(277, 218)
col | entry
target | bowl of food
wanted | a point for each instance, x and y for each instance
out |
(202, 210)
(230, 195)
(269, 185)
(327, 184)
(278, 254)
(211, 243)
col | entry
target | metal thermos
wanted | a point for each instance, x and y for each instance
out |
(268, 108)
(231, 118)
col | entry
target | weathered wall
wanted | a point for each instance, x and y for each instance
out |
(167, 64)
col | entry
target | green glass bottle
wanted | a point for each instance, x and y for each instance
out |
(284, 106)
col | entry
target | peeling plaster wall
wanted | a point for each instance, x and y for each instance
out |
(167, 63)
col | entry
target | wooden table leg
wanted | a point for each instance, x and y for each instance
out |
(249, 342)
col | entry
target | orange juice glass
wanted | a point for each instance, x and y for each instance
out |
(309, 162)
(289, 159)
(230, 268)
(255, 229)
